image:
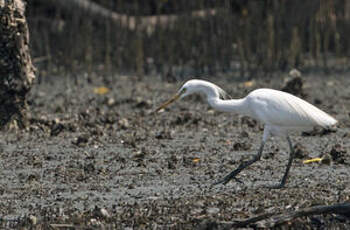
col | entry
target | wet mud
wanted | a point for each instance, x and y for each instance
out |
(98, 159)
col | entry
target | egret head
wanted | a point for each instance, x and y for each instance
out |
(205, 88)
(191, 87)
(195, 86)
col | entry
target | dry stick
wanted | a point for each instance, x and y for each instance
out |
(57, 226)
(342, 208)
(243, 223)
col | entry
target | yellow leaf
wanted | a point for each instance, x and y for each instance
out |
(317, 159)
(101, 90)
(195, 160)
(248, 84)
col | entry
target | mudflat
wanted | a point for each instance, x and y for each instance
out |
(96, 157)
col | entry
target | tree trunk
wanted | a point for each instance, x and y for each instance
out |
(16, 69)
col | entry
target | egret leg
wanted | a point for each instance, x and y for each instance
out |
(242, 166)
(291, 157)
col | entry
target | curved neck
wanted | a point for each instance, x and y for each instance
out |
(233, 105)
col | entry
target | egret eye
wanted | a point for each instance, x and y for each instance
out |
(183, 90)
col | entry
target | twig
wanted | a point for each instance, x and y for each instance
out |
(252, 220)
(342, 209)
(279, 219)
(54, 226)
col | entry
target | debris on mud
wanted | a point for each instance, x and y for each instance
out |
(326, 159)
(164, 134)
(56, 128)
(272, 153)
(300, 151)
(141, 103)
(238, 146)
(338, 154)
(319, 131)
(185, 118)
(244, 134)
(317, 101)
(190, 161)
(295, 85)
(172, 162)
(248, 121)
(82, 140)
(123, 123)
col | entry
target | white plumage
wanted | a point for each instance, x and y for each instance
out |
(282, 109)
(279, 111)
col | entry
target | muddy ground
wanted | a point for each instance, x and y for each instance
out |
(90, 160)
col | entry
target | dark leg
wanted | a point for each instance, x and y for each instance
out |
(291, 157)
(242, 166)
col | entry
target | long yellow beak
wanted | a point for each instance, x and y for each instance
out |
(165, 104)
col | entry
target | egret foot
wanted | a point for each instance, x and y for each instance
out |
(226, 179)
(229, 177)
(242, 166)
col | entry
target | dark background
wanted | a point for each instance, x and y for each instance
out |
(244, 37)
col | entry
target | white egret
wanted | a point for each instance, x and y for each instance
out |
(280, 112)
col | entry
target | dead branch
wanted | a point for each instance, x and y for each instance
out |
(341, 209)
(243, 223)
(147, 23)
(273, 219)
